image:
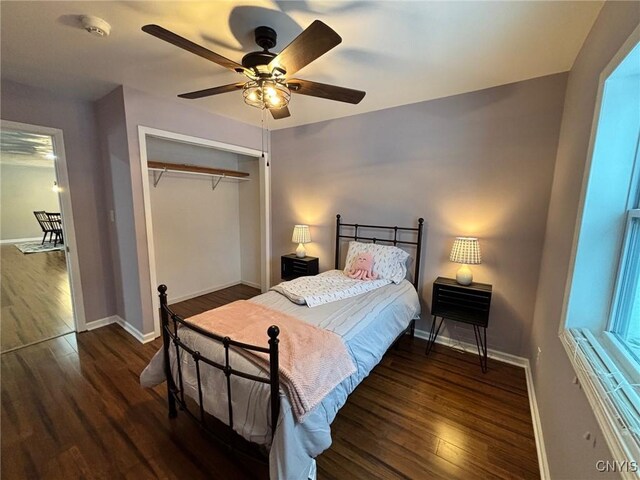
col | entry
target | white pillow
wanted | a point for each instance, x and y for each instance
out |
(389, 262)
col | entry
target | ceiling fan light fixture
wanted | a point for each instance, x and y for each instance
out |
(266, 94)
(270, 74)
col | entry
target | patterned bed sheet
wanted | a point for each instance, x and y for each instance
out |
(325, 288)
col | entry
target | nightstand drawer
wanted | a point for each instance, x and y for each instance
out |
(292, 267)
(299, 266)
(462, 303)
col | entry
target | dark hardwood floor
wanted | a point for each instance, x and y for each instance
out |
(36, 298)
(72, 407)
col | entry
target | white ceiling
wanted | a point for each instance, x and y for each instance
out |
(26, 149)
(398, 52)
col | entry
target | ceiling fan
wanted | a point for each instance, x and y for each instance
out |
(270, 84)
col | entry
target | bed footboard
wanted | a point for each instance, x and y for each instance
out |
(171, 325)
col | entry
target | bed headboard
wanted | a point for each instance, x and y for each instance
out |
(390, 231)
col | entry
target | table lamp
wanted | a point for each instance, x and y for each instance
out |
(301, 236)
(466, 250)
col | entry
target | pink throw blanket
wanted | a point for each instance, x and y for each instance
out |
(312, 361)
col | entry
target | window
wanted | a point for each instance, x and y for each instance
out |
(625, 321)
(601, 331)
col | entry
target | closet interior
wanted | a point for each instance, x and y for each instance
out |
(205, 207)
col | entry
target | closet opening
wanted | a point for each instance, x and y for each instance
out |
(206, 209)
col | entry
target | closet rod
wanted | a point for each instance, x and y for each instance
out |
(176, 167)
(220, 173)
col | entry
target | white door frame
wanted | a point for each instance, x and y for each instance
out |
(265, 203)
(66, 209)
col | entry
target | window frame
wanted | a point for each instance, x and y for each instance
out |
(621, 293)
(595, 358)
(615, 344)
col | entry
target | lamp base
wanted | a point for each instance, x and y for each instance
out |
(300, 251)
(464, 275)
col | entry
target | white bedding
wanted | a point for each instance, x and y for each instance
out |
(367, 323)
(326, 287)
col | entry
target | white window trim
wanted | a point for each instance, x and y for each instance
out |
(618, 351)
(590, 361)
(575, 341)
(620, 295)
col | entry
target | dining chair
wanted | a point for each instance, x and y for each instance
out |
(55, 221)
(45, 224)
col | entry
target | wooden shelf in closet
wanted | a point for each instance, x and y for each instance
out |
(177, 167)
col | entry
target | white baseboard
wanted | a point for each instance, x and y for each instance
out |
(21, 240)
(543, 464)
(130, 329)
(512, 360)
(134, 332)
(251, 284)
(103, 322)
(472, 348)
(189, 296)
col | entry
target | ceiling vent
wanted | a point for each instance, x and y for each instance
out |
(95, 26)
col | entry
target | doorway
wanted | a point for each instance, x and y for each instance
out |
(39, 274)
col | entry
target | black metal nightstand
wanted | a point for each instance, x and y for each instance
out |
(462, 303)
(294, 267)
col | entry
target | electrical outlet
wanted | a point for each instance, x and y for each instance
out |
(112, 215)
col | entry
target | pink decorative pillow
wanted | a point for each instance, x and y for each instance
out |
(362, 267)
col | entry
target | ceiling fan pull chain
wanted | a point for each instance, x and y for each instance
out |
(262, 113)
(268, 140)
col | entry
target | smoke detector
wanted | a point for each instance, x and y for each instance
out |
(95, 26)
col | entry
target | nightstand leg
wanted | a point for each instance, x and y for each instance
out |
(433, 334)
(482, 346)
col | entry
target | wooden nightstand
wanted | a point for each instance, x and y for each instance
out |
(294, 267)
(462, 303)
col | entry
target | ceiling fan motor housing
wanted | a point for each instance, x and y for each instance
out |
(266, 38)
(254, 59)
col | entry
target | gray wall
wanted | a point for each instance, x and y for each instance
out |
(23, 190)
(564, 410)
(249, 198)
(117, 184)
(76, 119)
(475, 164)
(177, 116)
(171, 151)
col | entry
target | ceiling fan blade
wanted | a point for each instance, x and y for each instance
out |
(207, 92)
(174, 39)
(322, 90)
(279, 113)
(311, 44)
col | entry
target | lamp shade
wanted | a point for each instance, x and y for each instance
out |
(466, 250)
(301, 234)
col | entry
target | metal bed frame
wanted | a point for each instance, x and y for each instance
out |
(173, 323)
(395, 241)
